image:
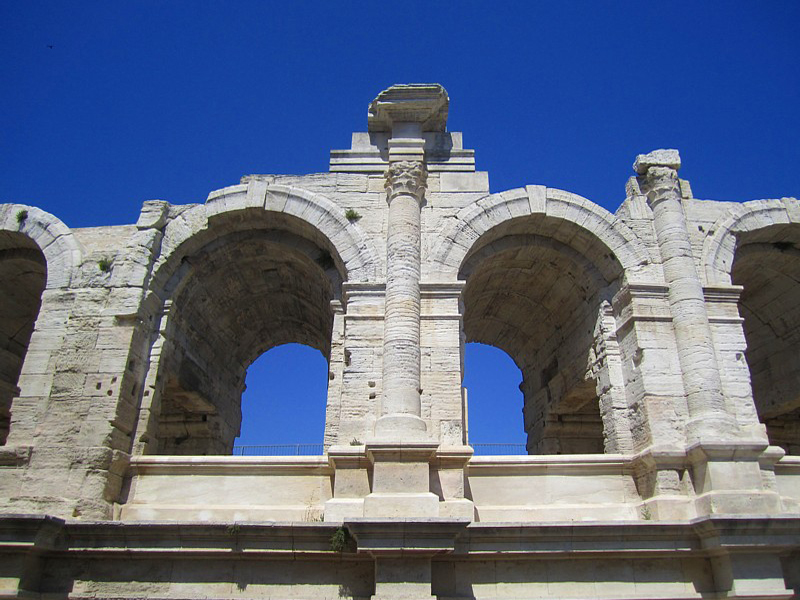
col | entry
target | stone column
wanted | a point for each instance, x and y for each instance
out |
(708, 416)
(403, 113)
(400, 408)
(401, 451)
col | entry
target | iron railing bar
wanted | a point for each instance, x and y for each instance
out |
(480, 448)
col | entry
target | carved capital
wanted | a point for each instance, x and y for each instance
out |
(660, 183)
(658, 174)
(406, 177)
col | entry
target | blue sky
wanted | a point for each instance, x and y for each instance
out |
(169, 100)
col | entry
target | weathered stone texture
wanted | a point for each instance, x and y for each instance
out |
(658, 348)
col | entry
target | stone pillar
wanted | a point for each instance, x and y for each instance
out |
(401, 451)
(404, 112)
(708, 415)
(405, 187)
(724, 464)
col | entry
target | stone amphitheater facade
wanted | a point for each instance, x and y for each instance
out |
(659, 348)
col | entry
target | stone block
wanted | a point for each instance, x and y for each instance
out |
(464, 182)
(657, 158)
(153, 214)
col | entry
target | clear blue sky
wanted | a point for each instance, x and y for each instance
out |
(169, 100)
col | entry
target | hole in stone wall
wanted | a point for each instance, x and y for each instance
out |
(494, 400)
(284, 401)
(23, 274)
(243, 295)
(542, 302)
(767, 265)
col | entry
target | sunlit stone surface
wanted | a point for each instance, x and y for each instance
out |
(658, 346)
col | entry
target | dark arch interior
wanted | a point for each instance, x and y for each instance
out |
(538, 299)
(23, 273)
(767, 265)
(239, 296)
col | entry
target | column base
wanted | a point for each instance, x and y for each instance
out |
(738, 502)
(400, 426)
(728, 478)
(401, 481)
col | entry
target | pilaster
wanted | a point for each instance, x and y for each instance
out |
(708, 416)
(724, 465)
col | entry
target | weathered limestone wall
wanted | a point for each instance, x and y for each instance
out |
(658, 349)
(450, 560)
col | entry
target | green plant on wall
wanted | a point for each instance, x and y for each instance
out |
(352, 215)
(104, 265)
(22, 215)
(340, 540)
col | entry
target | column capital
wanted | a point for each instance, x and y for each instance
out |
(406, 177)
(659, 159)
(425, 104)
(658, 175)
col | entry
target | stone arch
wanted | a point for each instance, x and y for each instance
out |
(541, 267)
(61, 250)
(719, 246)
(257, 266)
(590, 220)
(249, 206)
(37, 251)
(757, 245)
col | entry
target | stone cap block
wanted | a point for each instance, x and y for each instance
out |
(153, 214)
(657, 158)
(424, 103)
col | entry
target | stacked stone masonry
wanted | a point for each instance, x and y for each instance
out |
(659, 349)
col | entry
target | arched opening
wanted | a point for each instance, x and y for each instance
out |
(236, 298)
(283, 405)
(767, 265)
(23, 274)
(494, 401)
(543, 303)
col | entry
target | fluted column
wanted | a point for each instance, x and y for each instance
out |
(658, 173)
(400, 408)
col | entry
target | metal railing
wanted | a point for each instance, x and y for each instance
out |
(320, 449)
(499, 449)
(280, 450)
